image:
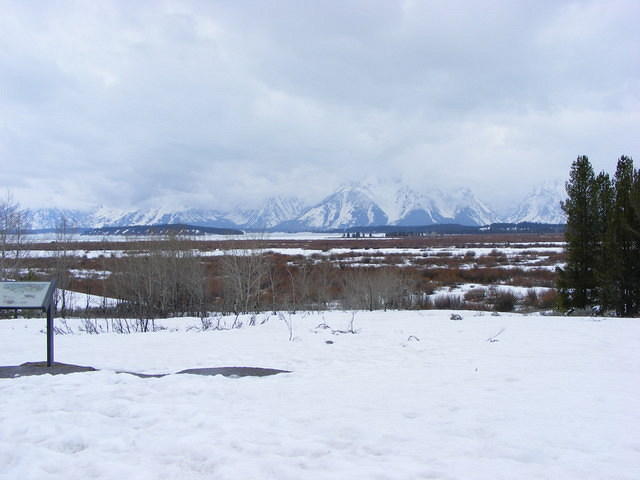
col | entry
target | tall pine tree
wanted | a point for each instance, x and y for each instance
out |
(605, 292)
(602, 239)
(622, 250)
(577, 281)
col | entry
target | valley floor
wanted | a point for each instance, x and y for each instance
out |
(410, 395)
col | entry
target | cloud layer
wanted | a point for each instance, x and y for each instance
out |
(218, 103)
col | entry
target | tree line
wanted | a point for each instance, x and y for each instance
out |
(602, 239)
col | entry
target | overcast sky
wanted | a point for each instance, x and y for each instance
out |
(215, 103)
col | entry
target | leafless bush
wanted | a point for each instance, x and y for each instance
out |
(379, 288)
(288, 321)
(207, 323)
(504, 300)
(448, 301)
(13, 223)
(138, 325)
(121, 325)
(63, 261)
(244, 271)
(351, 329)
(90, 326)
(531, 298)
(167, 281)
(548, 299)
(62, 328)
(475, 295)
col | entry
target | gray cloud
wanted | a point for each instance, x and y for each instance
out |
(219, 103)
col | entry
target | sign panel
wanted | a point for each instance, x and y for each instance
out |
(25, 294)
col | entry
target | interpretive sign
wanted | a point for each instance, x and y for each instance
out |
(25, 294)
(31, 295)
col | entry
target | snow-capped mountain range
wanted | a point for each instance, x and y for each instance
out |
(370, 203)
(391, 203)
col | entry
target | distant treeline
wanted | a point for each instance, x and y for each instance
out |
(454, 229)
(388, 230)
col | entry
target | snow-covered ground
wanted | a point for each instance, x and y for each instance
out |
(80, 301)
(422, 252)
(463, 288)
(411, 395)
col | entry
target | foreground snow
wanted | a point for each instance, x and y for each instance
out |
(411, 395)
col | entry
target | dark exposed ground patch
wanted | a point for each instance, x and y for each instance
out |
(40, 368)
(235, 371)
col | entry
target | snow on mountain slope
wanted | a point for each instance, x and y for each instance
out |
(42, 218)
(400, 203)
(105, 217)
(352, 205)
(274, 211)
(382, 202)
(413, 208)
(541, 205)
(468, 210)
(405, 206)
(113, 217)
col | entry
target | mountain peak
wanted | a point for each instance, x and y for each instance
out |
(542, 204)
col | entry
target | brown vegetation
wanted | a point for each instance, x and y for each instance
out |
(176, 276)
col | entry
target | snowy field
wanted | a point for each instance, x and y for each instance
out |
(411, 395)
(217, 252)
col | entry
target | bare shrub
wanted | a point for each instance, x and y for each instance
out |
(324, 284)
(548, 299)
(90, 326)
(448, 276)
(62, 328)
(448, 301)
(13, 222)
(531, 298)
(169, 280)
(504, 300)
(63, 261)
(475, 295)
(244, 270)
(377, 288)
(288, 321)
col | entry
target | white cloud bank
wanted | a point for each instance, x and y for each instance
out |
(217, 103)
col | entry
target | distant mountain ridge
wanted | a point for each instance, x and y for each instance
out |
(354, 204)
(391, 203)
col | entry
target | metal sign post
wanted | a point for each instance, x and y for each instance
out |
(49, 337)
(31, 296)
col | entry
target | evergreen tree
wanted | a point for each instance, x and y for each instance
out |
(634, 229)
(604, 198)
(577, 281)
(602, 239)
(622, 250)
